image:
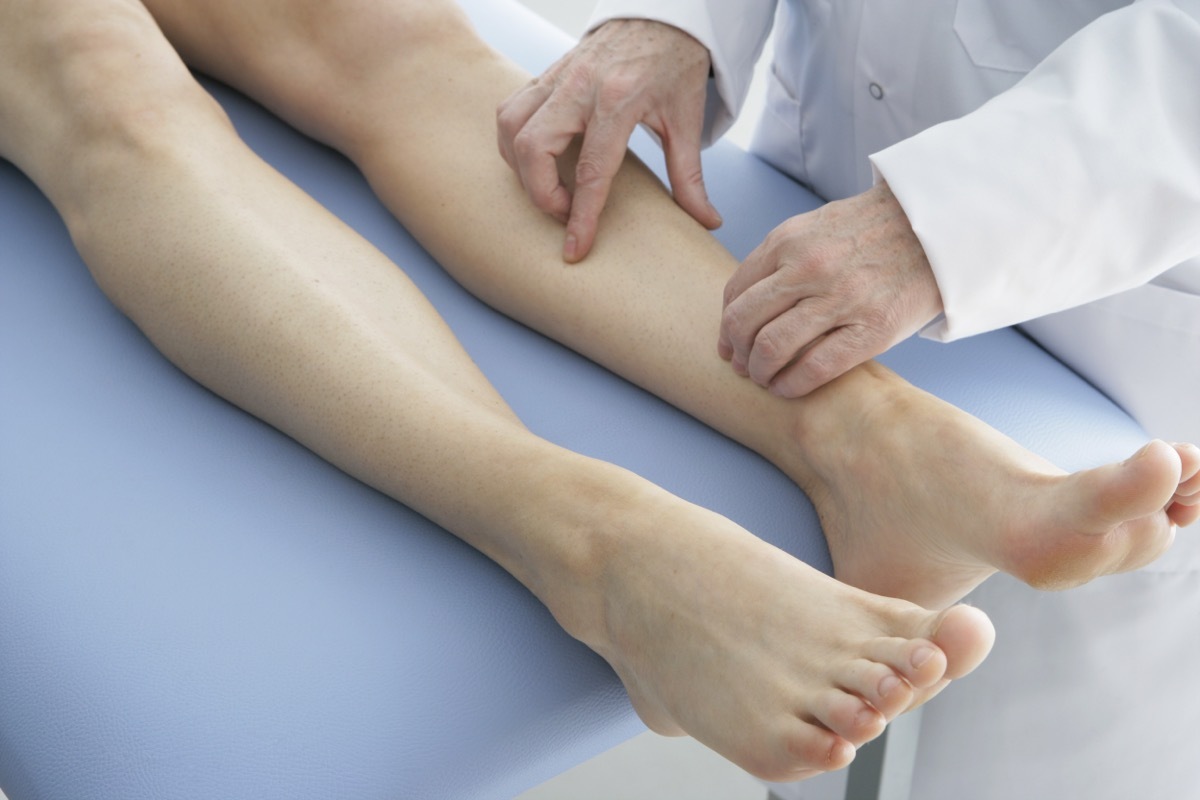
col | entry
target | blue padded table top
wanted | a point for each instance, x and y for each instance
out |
(193, 605)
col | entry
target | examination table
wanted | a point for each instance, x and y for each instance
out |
(194, 606)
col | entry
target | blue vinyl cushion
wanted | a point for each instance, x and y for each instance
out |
(194, 606)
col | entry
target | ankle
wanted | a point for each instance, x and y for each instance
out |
(580, 528)
(833, 426)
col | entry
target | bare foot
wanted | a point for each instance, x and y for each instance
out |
(774, 665)
(922, 501)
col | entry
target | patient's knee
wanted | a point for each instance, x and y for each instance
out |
(114, 80)
(95, 93)
(334, 62)
(360, 33)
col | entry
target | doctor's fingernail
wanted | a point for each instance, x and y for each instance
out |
(570, 248)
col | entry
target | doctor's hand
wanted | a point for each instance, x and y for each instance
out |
(825, 292)
(623, 73)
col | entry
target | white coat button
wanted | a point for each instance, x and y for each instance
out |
(876, 91)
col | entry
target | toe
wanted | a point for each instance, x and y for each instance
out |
(1137, 487)
(1189, 456)
(1183, 514)
(849, 716)
(1184, 509)
(965, 635)
(879, 685)
(811, 747)
(918, 661)
(1189, 478)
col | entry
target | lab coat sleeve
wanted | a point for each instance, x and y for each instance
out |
(1080, 182)
(733, 32)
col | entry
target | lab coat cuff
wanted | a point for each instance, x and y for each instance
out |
(913, 187)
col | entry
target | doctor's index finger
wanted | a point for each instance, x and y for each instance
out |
(762, 322)
(786, 337)
(600, 157)
(761, 263)
(536, 147)
(514, 113)
(830, 357)
(735, 321)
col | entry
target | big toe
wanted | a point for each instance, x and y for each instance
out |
(965, 635)
(955, 642)
(1142, 485)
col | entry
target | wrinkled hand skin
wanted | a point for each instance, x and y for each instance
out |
(624, 73)
(826, 291)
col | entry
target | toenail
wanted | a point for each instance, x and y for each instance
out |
(865, 718)
(888, 685)
(921, 656)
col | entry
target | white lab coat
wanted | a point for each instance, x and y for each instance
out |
(1047, 153)
(1080, 180)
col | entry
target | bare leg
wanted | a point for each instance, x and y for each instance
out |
(918, 499)
(260, 294)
